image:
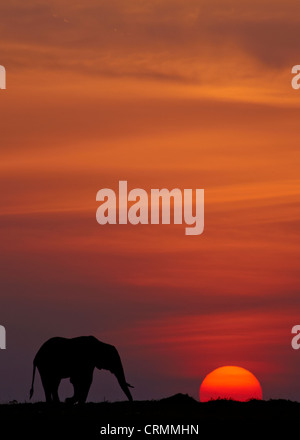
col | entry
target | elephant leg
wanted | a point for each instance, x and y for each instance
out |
(81, 386)
(84, 389)
(50, 385)
(73, 399)
(47, 388)
(54, 387)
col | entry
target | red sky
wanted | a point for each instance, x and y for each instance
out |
(193, 94)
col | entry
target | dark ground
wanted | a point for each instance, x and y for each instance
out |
(39, 420)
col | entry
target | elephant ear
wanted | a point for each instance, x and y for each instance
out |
(110, 360)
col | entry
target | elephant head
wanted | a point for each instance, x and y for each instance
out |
(110, 360)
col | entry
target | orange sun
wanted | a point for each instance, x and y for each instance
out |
(234, 383)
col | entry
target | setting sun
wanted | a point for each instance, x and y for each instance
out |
(230, 382)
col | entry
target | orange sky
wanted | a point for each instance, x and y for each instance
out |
(193, 94)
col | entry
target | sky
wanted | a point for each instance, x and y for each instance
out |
(163, 94)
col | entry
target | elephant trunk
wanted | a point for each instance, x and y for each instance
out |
(125, 388)
(111, 361)
(122, 382)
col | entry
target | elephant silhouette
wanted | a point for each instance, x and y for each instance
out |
(76, 358)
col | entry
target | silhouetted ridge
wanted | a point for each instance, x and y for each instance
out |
(179, 398)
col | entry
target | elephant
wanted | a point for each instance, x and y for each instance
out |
(76, 358)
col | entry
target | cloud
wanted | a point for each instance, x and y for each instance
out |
(160, 40)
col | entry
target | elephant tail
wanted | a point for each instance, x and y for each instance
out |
(33, 376)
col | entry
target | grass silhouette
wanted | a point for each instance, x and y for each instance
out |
(62, 421)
